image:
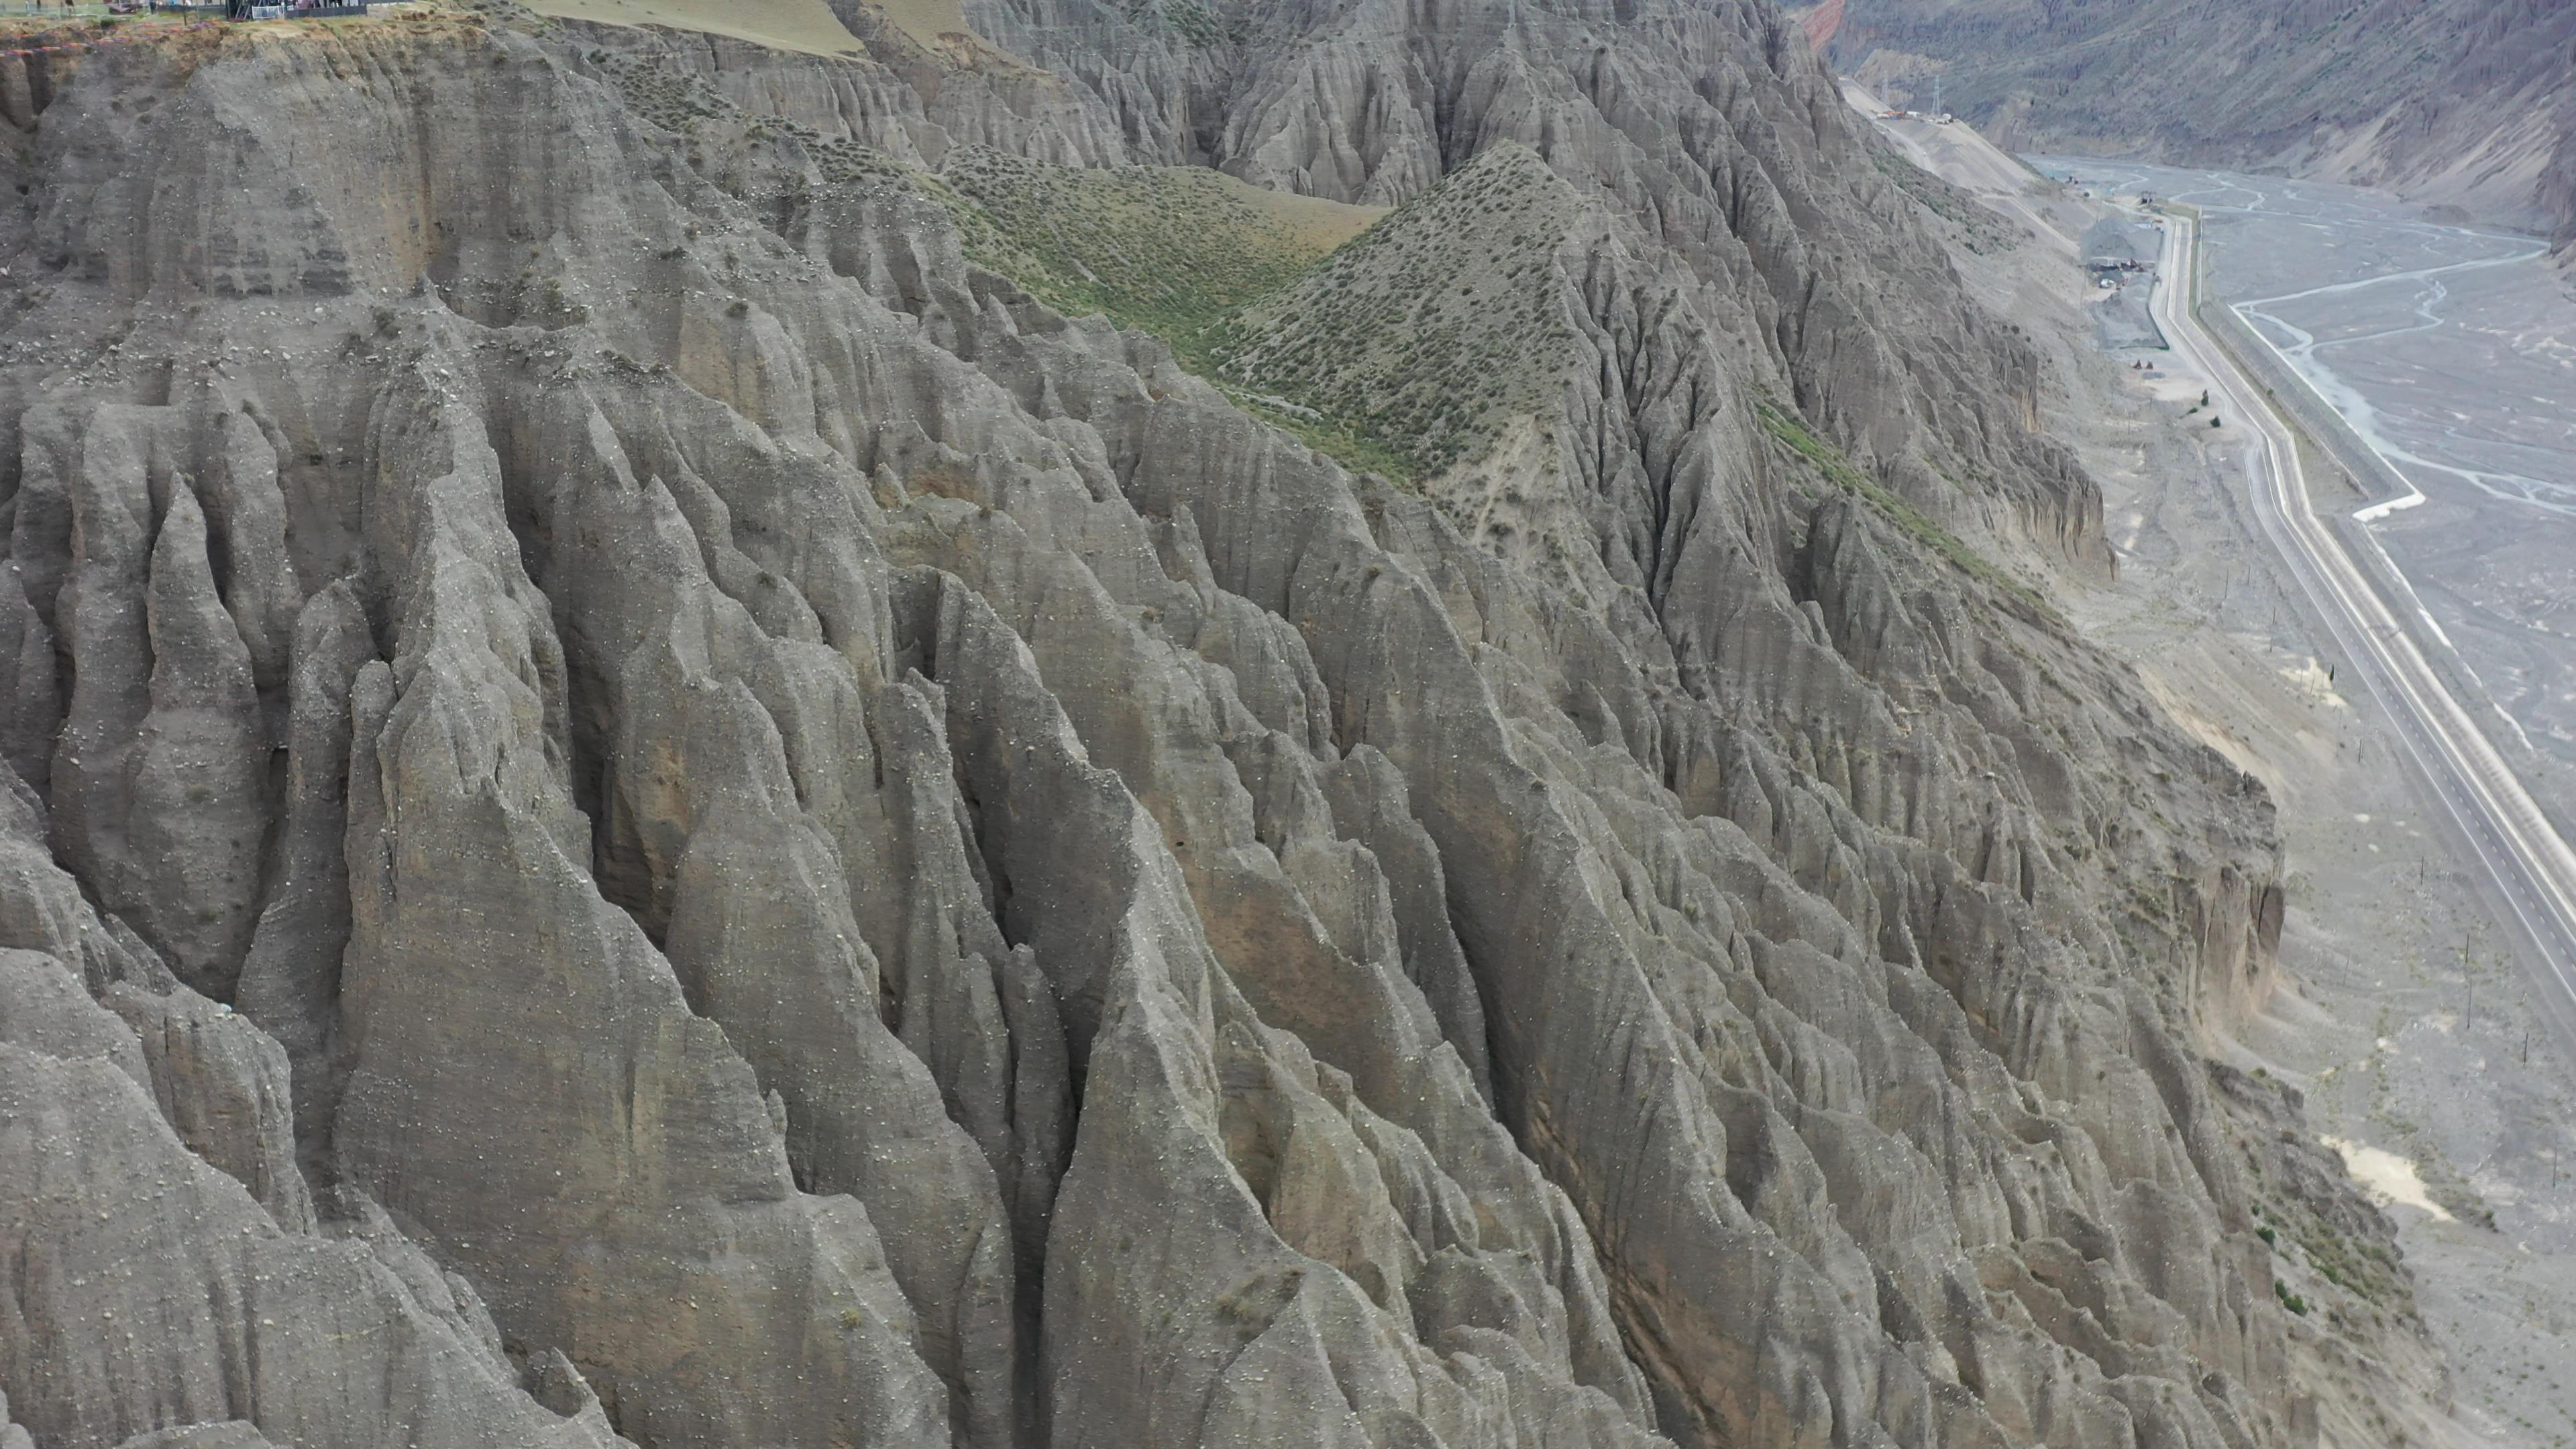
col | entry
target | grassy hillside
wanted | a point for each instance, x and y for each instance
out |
(1428, 335)
(1173, 250)
(1177, 251)
(1830, 463)
(1399, 342)
(807, 26)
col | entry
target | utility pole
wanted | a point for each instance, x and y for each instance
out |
(2469, 973)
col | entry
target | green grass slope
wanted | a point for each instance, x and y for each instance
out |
(1401, 342)
(1431, 333)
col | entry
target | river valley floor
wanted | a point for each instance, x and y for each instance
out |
(2406, 1025)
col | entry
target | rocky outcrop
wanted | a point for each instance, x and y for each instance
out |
(167, 1281)
(2557, 197)
(1709, 137)
(645, 804)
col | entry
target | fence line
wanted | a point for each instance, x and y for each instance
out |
(2308, 411)
(181, 14)
(2294, 394)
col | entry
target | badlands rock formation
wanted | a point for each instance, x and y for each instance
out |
(643, 802)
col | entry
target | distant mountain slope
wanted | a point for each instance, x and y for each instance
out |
(2468, 102)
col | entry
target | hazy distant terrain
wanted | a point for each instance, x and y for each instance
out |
(2461, 102)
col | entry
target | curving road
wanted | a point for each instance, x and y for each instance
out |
(2533, 868)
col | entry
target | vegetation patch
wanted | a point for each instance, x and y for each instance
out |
(1171, 250)
(1191, 20)
(1177, 251)
(1914, 522)
(1399, 343)
(661, 94)
(1431, 332)
(2366, 1269)
(1981, 230)
(806, 26)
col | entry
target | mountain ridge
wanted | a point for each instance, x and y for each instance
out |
(2462, 103)
(647, 801)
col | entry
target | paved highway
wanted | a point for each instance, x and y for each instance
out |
(2533, 868)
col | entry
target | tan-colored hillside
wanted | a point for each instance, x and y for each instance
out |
(808, 26)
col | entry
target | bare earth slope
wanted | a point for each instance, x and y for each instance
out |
(798, 25)
(644, 801)
(2469, 103)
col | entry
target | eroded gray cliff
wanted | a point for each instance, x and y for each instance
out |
(643, 803)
